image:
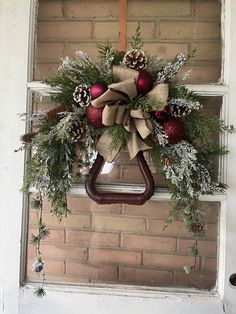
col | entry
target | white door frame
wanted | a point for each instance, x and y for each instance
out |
(15, 29)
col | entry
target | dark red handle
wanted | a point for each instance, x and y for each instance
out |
(125, 198)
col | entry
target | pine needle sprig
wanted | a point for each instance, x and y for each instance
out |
(118, 134)
(170, 69)
(180, 91)
(136, 42)
(40, 291)
(145, 103)
(200, 129)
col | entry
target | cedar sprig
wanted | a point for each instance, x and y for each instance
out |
(118, 134)
(136, 42)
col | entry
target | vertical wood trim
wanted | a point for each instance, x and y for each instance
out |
(14, 43)
(122, 24)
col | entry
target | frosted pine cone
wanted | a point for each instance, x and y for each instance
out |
(135, 59)
(77, 132)
(81, 95)
(180, 107)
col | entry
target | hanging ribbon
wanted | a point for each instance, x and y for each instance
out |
(114, 101)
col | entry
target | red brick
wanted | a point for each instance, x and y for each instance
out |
(55, 236)
(210, 9)
(66, 279)
(189, 30)
(142, 276)
(92, 9)
(195, 280)
(50, 9)
(50, 266)
(71, 221)
(77, 204)
(150, 208)
(177, 229)
(110, 174)
(210, 264)
(212, 209)
(205, 248)
(114, 256)
(44, 70)
(62, 278)
(31, 251)
(89, 47)
(65, 252)
(131, 174)
(140, 8)
(148, 242)
(165, 50)
(64, 30)
(147, 29)
(105, 30)
(207, 51)
(33, 218)
(203, 74)
(118, 223)
(43, 103)
(91, 271)
(92, 238)
(50, 51)
(169, 261)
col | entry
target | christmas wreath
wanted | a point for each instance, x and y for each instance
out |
(131, 101)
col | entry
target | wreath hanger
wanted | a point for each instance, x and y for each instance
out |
(114, 198)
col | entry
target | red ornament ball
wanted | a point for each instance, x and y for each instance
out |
(94, 116)
(174, 128)
(144, 82)
(97, 90)
(162, 114)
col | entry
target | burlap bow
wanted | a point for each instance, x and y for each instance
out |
(114, 101)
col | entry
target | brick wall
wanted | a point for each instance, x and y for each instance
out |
(121, 244)
(168, 27)
(124, 244)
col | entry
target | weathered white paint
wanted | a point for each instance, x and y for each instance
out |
(14, 29)
(14, 35)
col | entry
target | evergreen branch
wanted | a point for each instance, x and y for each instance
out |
(136, 42)
(118, 134)
(40, 292)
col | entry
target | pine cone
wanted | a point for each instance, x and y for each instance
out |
(27, 138)
(179, 109)
(196, 227)
(53, 115)
(135, 59)
(77, 131)
(167, 161)
(82, 96)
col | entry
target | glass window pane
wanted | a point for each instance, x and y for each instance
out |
(168, 27)
(124, 244)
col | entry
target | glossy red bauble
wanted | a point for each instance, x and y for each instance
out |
(144, 82)
(174, 128)
(94, 116)
(97, 90)
(162, 115)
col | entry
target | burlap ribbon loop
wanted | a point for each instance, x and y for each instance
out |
(114, 101)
